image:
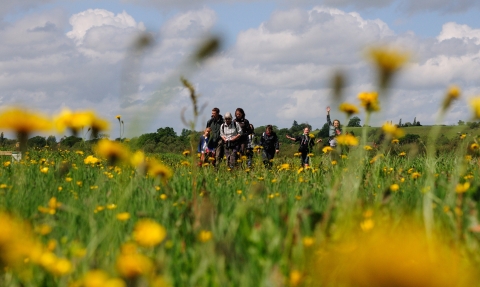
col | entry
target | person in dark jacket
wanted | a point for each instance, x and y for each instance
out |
(306, 145)
(269, 142)
(204, 148)
(215, 141)
(245, 126)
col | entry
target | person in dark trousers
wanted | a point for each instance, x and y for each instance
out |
(250, 145)
(215, 141)
(245, 126)
(306, 145)
(230, 133)
(269, 142)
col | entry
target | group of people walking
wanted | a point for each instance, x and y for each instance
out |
(232, 137)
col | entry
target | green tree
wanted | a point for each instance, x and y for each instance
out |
(51, 140)
(323, 133)
(37, 141)
(354, 122)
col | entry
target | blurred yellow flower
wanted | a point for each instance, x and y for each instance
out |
(118, 117)
(163, 196)
(133, 265)
(349, 109)
(308, 241)
(284, 166)
(394, 187)
(295, 278)
(43, 229)
(395, 141)
(387, 60)
(461, 188)
(186, 152)
(91, 160)
(148, 233)
(453, 93)
(204, 235)
(154, 168)
(123, 216)
(474, 146)
(402, 153)
(6, 164)
(416, 175)
(312, 136)
(369, 100)
(367, 224)
(475, 104)
(113, 151)
(44, 170)
(327, 149)
(463, 136)
(24, 122)
(392, 130)
(374, 259)
(347, 140)
(367, 147)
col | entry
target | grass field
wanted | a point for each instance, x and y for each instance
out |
(88, 221)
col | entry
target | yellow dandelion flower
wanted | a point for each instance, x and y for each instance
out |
(392, 130)
(155, 169)
(163, 196)
(395, 141)
(402, 153)
(204, 236)
(475, 104)
(44, 170)
(295, 278)
(6, 164)
(468, 157)
(308, 241)
(148, 233)
(133, 265)
(461, 188)
(474, 146)
(284, 166)
(334, 162)
(312, 136)
(347, 140)
(463, 136)
(387, 60)
(367, 147)
(415, 175)
(367, 224)
(24, 122)
(310, 155)
(186, 152)
(185, 163)
(123, 216)
(118, 117)
(369, 100)
(349, 109)
(43, 229)
(344, 156)
(113, 151)
(394, 187)
(91, 160)
(453, 93)
(111, 206)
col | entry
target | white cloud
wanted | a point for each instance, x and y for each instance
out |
(278, 71)
(453, 30)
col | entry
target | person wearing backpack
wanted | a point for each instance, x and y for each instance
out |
(215, 141)
(269, 142)
(245, 126)
(306, 145)
(230, 132)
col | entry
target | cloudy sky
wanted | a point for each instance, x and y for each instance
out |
(276, 60)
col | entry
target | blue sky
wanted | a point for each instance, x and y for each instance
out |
(276, 61)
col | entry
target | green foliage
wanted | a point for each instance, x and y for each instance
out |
(354, 122)
(37, 141)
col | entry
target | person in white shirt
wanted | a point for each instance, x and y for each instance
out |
(230, 133)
